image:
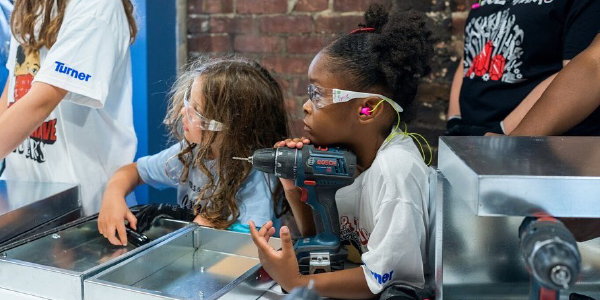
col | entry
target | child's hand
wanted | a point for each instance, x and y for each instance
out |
(281, 265)
(288, 184)
(112, 217)
(293, 143)
(200, 220)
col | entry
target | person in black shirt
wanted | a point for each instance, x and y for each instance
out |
(513, 51)
(572, 98)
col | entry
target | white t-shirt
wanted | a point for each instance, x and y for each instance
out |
(90, 133)
(384, 214)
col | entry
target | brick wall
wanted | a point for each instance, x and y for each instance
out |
(284, 35)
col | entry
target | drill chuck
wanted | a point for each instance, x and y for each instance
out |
(550, 252)
(278, 161)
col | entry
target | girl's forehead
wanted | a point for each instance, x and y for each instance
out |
(196, 90)
(321, 75)
(317, 68)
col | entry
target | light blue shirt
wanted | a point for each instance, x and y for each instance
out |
(253, 198)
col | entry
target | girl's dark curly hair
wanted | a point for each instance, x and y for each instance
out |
(389, 60)
(242, 95)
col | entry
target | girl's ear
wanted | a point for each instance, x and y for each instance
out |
(369, 109)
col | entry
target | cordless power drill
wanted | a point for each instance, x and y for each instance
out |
(551, 256)
(319, 172)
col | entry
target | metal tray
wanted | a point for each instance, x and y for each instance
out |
(524, 176)
(201, 264)
(40, 202)
(53, 265)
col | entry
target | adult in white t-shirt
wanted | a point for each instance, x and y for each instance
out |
(66, 112)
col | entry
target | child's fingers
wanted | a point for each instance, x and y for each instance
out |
(100, 227)
(132, 220)
(264, 230)
(253, 232)
(122, 233)
(270, 233)
(286, 240)
(268, 225)
(287, 184)
(260, 242)
(110, 235)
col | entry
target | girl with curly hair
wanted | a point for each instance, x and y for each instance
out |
(220, 108)
(360, 85)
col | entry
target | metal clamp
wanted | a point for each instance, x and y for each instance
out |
(319, 262)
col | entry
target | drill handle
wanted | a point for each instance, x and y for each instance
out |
(325, 214)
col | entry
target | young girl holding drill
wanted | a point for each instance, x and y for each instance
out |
(359, 86)
(220, 108)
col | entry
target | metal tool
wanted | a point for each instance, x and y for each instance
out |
(551, 256)
(319, 172)
(135, 238)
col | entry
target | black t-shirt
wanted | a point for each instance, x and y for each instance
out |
(513, 45)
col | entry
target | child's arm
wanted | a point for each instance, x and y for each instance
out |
(114, 208)
(282, 266)
(27, 114)
(302, 212)
(4, 98)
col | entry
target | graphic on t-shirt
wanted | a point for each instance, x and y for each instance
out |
(27, 64)
(493, 48)
(351, 233)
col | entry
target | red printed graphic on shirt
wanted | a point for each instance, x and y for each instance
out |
(493, 48)
(351, 233)
(27, 64)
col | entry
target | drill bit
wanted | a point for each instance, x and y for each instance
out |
(249, 159)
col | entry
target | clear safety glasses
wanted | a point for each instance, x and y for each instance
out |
(198, 120)
(322, 97)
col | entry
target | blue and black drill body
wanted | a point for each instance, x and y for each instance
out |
(320, 172)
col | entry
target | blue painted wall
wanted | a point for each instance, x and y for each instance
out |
(154, 69)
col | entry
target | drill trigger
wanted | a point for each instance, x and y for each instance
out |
(304, 196)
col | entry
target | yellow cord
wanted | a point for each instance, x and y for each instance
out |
(415, 136)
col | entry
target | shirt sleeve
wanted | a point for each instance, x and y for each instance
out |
(82, 61)
(581, 26)
(255, 199)
(153, 169)
(394, 254)
(396, 245)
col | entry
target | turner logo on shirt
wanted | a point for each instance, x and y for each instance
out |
(62, 68)
(27, 64)
(383, 278)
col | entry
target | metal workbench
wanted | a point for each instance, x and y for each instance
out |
(30, 207)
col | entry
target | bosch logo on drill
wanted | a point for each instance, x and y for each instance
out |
(326, 162)
(381, 279)
(61, 68)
